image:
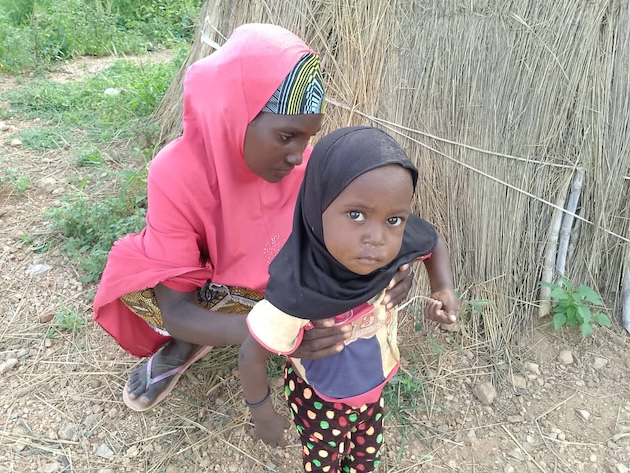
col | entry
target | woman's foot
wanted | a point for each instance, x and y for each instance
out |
(144, 386)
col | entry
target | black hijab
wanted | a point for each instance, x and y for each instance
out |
(306, 281)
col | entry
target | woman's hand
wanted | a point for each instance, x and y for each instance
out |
(445, 308)
(323, 340)
(399, 286)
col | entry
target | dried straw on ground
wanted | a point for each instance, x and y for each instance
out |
(501, 104)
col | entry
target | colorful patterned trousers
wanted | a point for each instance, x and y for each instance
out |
(335, 437)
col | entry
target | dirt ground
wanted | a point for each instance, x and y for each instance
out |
(564, 408)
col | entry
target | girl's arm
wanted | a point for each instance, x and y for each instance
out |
(269, 425)
(447, 306)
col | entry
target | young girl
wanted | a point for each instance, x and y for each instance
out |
(352, 228)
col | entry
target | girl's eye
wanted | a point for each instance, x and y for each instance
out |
(395, 221)
(356, 215)
(285, 137)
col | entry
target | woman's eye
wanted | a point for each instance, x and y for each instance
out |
(356, 215)
(395, 221)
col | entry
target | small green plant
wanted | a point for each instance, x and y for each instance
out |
(27, 239)
(275, 366)
(89, 156)
(19, 182)
(69, 319)
(571, 307)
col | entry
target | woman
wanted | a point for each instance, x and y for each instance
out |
(220, 206)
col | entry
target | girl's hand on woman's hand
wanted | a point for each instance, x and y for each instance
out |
(323, 340)
(399, 286)
(271, 430)
(445, 308)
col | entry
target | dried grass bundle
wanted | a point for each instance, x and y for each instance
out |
(499, 104)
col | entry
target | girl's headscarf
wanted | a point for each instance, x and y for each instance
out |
(306, 281)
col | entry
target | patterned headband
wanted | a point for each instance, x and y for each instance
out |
(301, 92)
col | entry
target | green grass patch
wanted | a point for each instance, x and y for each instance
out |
(38, 33)
(43, 138)
(115, 103)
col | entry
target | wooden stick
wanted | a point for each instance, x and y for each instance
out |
(550, 253)
(522, 449)
(625, 291)
(567, 222)
(556, 406)
(573, 239)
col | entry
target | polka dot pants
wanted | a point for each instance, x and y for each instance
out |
(335, 437)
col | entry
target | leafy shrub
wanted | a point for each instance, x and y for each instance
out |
(571, 307)
(91, 228)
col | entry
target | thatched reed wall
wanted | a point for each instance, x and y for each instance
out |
(499, 103)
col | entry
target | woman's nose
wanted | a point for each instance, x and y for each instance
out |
(295, 158)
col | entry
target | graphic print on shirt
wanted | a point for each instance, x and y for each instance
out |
(272, 247)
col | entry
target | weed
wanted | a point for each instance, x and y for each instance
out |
(275, 366)
(69, 319)
(42, 138)
(12, 177)
(471, 307)
(88, 156)
(571, 307)
(404, 396)
(27, 239)
(91, 228)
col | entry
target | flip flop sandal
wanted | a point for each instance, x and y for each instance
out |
(174, 374)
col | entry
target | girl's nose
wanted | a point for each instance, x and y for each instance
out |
(374, 235)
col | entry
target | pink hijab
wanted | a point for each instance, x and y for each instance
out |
(209, 216)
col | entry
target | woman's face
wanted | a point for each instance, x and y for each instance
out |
(274, 143)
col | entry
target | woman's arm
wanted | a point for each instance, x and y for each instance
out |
(268, 424)
(185, 320)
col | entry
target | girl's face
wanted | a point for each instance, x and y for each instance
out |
(364, 226)
(274, 143)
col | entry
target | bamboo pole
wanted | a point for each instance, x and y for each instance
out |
(550, 253)
(567, 222)
(625, 291)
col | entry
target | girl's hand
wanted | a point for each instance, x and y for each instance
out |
(399, 286)
(270, 429)
(445, 308)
